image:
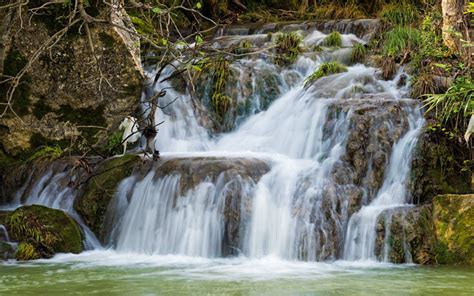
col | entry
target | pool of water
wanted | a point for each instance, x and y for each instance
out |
(109, 273)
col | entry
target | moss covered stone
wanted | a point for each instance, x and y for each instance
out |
(453, 217)
(42, 232)
(100, 189)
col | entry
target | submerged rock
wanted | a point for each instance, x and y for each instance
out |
(42, 232)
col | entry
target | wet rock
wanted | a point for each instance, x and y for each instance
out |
(406, 235)
(42, 232)
(100, 189)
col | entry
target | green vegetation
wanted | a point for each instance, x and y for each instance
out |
(325, 69)
(287, 48)
(42, 232)
(333, 39)
(358, 53)
(453, 216)
(114, 144)
(456, 104)
(399, 40)
(399, 14)
(47, 152)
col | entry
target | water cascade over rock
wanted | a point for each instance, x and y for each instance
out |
(300, 172)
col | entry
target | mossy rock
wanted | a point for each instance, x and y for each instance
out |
(101, 188)
(42, 232)
(453, 217)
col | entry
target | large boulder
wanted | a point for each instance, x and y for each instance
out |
(42, 232)
(69, 91)
(453, 218)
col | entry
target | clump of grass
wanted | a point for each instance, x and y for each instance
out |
(401, 39)
(26, 251)
(333, 39)
(456, 104)
(287, 48)
(337, 11)
(47, 152)
(325, 69)
(358, 53)
(399, 14)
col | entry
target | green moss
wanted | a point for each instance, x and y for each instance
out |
(13, 64)
(453, 218)
(47, 152)
(358, 53)
(333, 39)
(325, 69)
(100, 189)
(43, 232)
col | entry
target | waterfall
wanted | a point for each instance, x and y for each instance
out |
(298, 172)
(361, 232)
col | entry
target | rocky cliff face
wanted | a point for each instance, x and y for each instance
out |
(71, 90)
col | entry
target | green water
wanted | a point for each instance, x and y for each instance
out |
(105, 273)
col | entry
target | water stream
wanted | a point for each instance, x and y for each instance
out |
(294, 185)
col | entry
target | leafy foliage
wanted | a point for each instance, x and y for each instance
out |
(325, 69)
(456, 104)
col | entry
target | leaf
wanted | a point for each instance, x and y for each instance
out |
(198, 5)
(156, 10)
(198, 39)
(164, 41)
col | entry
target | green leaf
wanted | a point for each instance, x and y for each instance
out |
(156, 10)
(198, 5)
(198, 39)
(164, 41)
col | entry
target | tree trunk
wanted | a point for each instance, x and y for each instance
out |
(453, 24)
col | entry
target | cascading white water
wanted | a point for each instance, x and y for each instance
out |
(361, 231)
(52, 190)
(300, 208)
(297, 208)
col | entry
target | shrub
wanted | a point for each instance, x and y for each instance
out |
(325, 69)
(333, 39)
(47, 152)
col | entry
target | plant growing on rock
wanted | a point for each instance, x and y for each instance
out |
(358, 53)
(325, 69)
(333, 40)
(287, 48)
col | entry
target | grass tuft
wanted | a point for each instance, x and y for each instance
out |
(287, 47)
(333, 39)
(399, 14)
(325, 69)
(358, 53)
(401, 39)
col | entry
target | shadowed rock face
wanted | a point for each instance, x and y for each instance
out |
(61, 89)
